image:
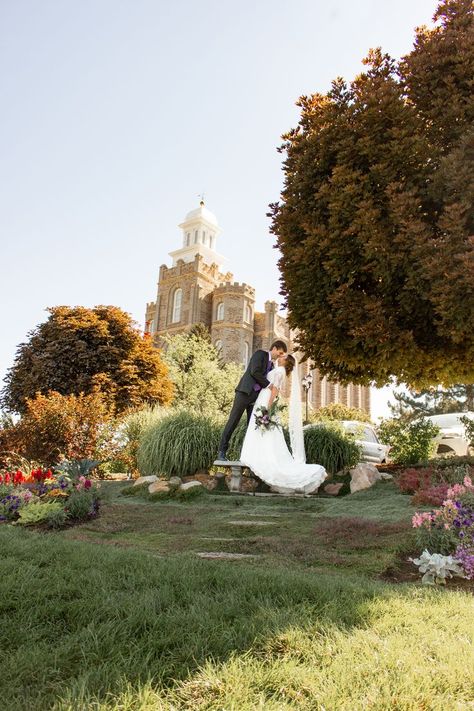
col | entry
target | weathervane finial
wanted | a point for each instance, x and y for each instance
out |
(201, 202)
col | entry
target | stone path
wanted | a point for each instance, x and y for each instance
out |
(219, 555)
(252, 523)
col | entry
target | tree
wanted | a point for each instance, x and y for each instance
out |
(202, 382)
(78, 350)
(376, 221)
(339, 411)
(433, 401)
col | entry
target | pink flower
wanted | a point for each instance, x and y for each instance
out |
(419, 519)
(457, 490)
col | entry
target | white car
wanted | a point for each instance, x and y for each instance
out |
(452, 439)
(364, 435)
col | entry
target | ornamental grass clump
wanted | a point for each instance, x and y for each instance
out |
(329, 446)
(179, 445)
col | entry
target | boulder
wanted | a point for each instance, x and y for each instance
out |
(145, 480)
(363, 476)
(386, 476)
(333, 489)
(175, 482)
(190, 485)
(158, 486)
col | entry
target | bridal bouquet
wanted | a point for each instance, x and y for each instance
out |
(267, 418)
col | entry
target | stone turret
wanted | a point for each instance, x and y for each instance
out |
(232, 328)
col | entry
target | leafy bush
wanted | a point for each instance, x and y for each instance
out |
(469, 429)
(179, 445)
(411, 480)
(411, 442)
(39, 512)
(56, 426)
(329, 446)
(431, 495)
(82, 504)
(56, 518)
(438, 540)
(339, 411)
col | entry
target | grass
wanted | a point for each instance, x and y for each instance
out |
(120, 615)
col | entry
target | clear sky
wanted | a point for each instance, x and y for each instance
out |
(117, 114)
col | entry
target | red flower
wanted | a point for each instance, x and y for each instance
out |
(87, 484)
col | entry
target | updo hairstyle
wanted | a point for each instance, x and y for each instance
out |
(289, 363)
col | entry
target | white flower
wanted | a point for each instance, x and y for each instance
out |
(437, 567)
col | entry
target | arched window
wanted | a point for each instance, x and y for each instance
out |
(211, 241)
(196, 234)
(248, 313)
(220, 312)
(245, 357)
(177, 300)
(188, 239)
(218, 345)
(204, 238)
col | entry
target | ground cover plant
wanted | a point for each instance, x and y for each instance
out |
(136, 621)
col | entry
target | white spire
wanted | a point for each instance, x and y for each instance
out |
(200, 230)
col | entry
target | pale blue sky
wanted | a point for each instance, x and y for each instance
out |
(117, 114)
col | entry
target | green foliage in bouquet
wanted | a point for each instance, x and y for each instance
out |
(180, 445)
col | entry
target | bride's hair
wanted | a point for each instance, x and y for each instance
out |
(289, 363)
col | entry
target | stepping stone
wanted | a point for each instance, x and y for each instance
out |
(226, 540)
(218, 555)
(252, 523)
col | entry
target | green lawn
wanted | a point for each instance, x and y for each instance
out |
(121, 614)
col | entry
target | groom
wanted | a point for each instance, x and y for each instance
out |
(246, 392)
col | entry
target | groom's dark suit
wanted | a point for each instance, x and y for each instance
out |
(246, 392)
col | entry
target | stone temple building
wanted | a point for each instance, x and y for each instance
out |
(196, 288)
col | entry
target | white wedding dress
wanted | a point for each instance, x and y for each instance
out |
(265, 452)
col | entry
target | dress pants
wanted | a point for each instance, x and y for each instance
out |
(242, 403)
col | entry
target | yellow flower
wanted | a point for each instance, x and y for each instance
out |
(56, 492)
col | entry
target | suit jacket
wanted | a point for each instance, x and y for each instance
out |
(256, 373)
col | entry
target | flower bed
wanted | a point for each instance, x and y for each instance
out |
(48, 497)
(446, 535)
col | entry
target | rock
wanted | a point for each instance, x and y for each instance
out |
(363, 476)
(386, 476)
(158, 486)
(175, 482)
(190, 485)
(145, 480)
(333, 489)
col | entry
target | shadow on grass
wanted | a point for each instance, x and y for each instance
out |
(80, 620)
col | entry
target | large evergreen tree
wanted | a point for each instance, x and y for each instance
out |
(78, 350)
(433, 401)
(376, 221)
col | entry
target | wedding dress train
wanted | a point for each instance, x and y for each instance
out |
(265, 452)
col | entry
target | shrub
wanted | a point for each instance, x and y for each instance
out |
(436, 540)
(179, 445)
(82, 504)
(411, 442)
(39, 512)
(56, 518)
(56, 426)
(411, 480)
(329, 446)
(339, 411)
(431, 495)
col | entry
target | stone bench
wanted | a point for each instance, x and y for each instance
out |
(236, 469)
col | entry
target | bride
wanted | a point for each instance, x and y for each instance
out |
(265, 451)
